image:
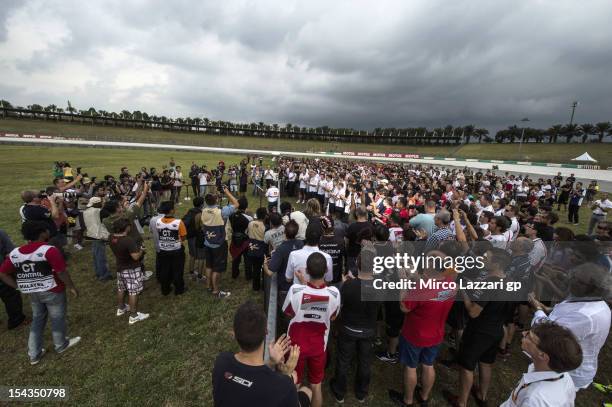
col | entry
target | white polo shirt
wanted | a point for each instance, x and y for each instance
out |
(297, 262)
(542, 389)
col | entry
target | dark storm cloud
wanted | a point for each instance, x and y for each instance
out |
(347, 64)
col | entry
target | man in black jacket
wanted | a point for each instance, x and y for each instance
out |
(10, 296)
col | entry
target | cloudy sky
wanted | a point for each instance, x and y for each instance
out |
(360, 64)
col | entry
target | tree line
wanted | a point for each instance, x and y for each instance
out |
(568, 133)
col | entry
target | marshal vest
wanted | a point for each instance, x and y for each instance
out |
(169, 238)
(34, 273)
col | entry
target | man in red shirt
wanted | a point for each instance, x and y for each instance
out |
(40, 271)
(426, 310)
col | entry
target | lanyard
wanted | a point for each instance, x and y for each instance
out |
(515, 393)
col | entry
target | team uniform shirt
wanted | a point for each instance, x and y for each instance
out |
(606, 204)
(272, 195)
(170, 234)
(311, 310)
(542, 389)
(313, 183)
(36, 266)
(297, 262)
(538, 254)
(303, 181)
(514, 228)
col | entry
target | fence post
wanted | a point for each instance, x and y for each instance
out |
(272, 305)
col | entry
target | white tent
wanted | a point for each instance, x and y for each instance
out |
(585, 157)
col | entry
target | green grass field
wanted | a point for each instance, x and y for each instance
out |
(556, 153)
(166, 360)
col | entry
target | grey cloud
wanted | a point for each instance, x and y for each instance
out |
(346, 64)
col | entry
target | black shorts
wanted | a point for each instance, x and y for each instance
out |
(216, 259)
(394, 318)
(477, 347)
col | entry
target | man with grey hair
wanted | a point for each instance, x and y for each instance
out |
(443, 232)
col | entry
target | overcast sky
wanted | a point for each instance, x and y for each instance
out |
(360, 64)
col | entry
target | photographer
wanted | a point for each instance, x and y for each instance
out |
(117, 209)
(98, 234)
(130, 278)
(213, 220)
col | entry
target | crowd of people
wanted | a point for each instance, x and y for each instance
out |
(322, 223)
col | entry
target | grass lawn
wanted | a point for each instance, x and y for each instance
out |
(166, 360)
(556, 153)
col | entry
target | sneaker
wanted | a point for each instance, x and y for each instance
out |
(337, 398)
(384, 356)
(78, 246)
(222, 294)
(361, 400)
(121, 311)
(298, 201)
(147, 275)
(71, 343)
(37, 359)
(398, 398)
(139, 317)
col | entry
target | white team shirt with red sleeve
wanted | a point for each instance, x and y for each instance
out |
(311, 310)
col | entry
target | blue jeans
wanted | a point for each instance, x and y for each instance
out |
(45, 304)
(99, 258)
(202, 190)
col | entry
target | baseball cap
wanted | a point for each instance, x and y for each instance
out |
(94, 200)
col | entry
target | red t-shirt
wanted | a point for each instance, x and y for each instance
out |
(424, 324)
(53, 257)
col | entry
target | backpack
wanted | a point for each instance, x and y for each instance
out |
(189, 221)
(239, 225)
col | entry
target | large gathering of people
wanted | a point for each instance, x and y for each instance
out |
(311, 227)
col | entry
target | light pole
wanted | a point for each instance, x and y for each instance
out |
(573, 110)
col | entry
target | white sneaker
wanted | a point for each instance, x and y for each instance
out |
(147, 275)
(125, 309)
(78, 246)
(38, 358)
(298, 201)
(71, 343)
(139, 317)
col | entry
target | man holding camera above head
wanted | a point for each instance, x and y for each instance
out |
(122, 209)
(130, 277)
(213, 220)
(50, 212)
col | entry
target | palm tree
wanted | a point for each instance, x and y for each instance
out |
(587, 129)
(480, 133)
(70, 110)
(554, 132)
(468, 132)
(602, 128)
(569, 131)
